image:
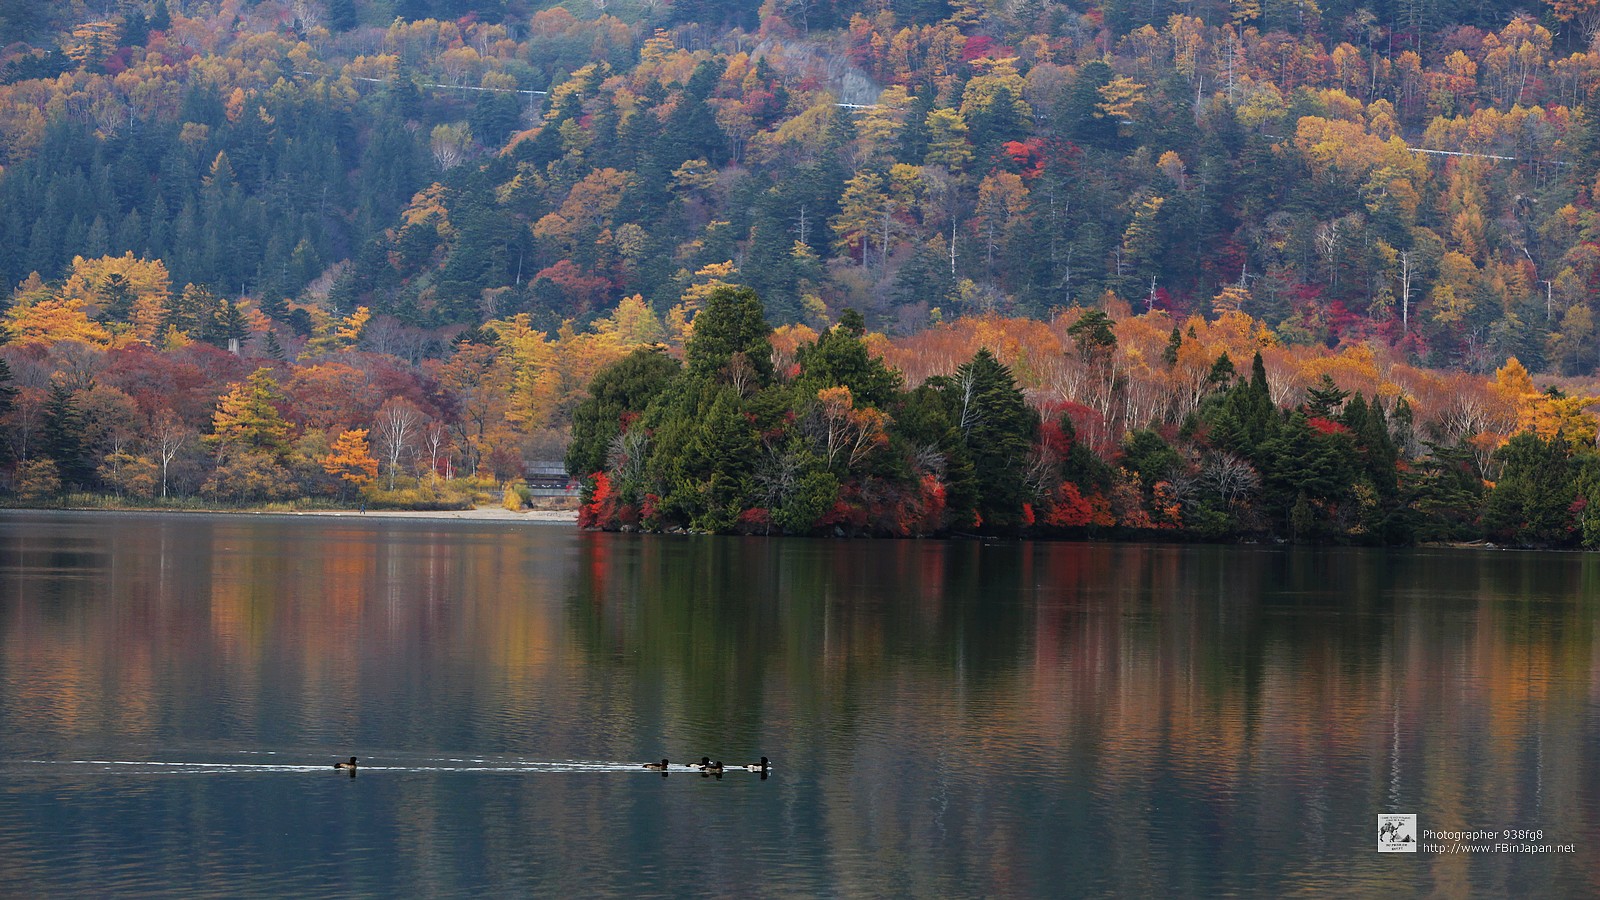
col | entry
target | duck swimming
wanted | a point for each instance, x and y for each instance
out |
(659, 767)
(351, 765)
(762, 766)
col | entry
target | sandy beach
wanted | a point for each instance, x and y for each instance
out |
(480, 514)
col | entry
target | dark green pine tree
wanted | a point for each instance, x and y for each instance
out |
(160, 18)
(1583, 143)
(733, 321)
(1377, 463)
(915, 135)
(1243, 418)
(228, 324)
(724, 449)
(1094, 334)
(1148, 453)
(1300, 465)
(273, 348)
(413, 10)
(998, 428)
(922, 423)
(770, 266)
(116, 299)
(97, 240)
(691, 129)
(416, 243)
(19, 19)
(135, 29)
(391, 164)
(193, 311)
(1081, 119)
(275, 305)
(494, 117)
(839, 357)
(1222, 373)
(342, 15)
(604, 125)
(703, 451)
(546, 146)
(478, 260)
(8, 400)
(1169, 354)
(1446, 492)
(926, 278)
(63, 438)
(722, 14)
(1531, 502)
(1325, 399)
(991, 125)
(625, 387)
(1370, 428)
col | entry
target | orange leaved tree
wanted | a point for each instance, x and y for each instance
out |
(351, 459)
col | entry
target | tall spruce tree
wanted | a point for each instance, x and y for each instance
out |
(839, 357)
(623, 389)
(8, 400)
(64, 438)
(732, 321)
(1531, 502)
(997, 428)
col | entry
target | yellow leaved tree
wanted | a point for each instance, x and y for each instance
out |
(332, 334)
(39, 315)
(131, 294)
(631, 323)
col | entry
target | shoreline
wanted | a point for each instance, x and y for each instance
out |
(477, 514)
(570, 517)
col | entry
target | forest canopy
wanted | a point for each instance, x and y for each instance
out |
(475, 207)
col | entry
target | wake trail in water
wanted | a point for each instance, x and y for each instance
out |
(140, 766)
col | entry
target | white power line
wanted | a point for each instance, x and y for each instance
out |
(428, 84)
(1461, 153)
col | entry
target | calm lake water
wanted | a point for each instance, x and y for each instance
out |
(945, 719)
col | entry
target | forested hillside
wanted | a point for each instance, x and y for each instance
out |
(473, 207)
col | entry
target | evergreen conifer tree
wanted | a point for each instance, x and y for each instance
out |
(997, 427)
(626, 387)
(840, 358)
(733, 321)
(63, 438)
(116, 298)
(1324, 399)
(274, 349)
(8, 400)
(342, 15)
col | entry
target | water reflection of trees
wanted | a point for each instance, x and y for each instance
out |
(965, 700)
(1183, 678)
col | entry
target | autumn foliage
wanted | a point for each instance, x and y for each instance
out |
(1116, 210)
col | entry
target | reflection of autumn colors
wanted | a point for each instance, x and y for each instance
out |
(238, 608)
(968, 718)
(1188, 701)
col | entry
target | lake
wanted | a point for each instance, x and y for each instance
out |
(945, 719)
